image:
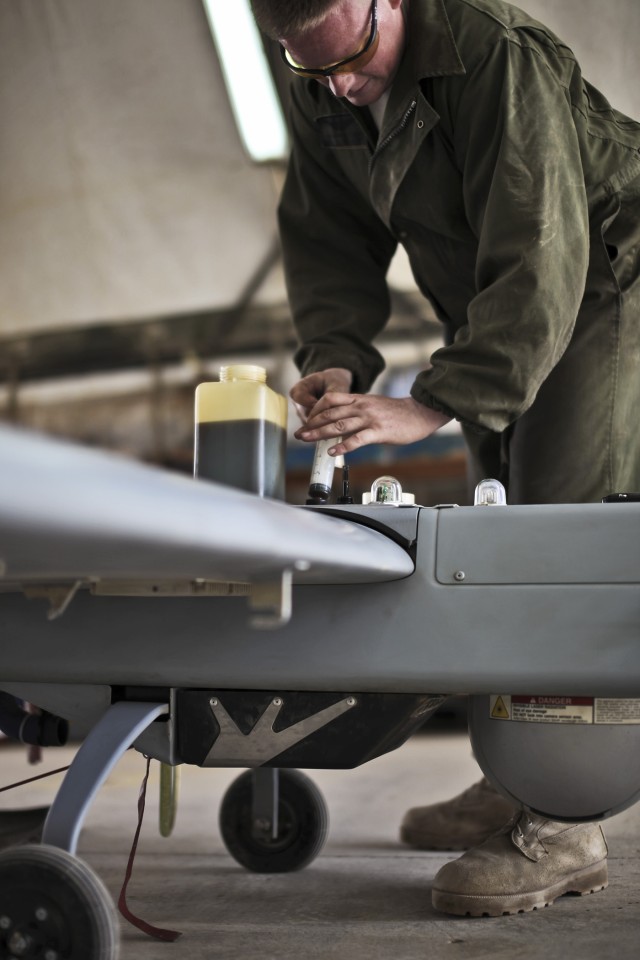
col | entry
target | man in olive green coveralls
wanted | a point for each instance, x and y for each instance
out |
(463, 130)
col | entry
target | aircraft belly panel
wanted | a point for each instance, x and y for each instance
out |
(413, 636)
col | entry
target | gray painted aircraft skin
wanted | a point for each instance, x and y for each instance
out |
(117, 578)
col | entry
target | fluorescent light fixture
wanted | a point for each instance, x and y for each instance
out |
(249, 82)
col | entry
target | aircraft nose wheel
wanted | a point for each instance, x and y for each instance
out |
(54, 907)
(303, 824)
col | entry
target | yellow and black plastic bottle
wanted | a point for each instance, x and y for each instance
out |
(241, 432)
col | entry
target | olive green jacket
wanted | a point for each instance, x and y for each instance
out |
(495, 163)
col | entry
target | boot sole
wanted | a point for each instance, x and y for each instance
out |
(582, 882)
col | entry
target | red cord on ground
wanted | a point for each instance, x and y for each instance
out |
(149, 929)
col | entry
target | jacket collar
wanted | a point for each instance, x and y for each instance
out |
(431, 50)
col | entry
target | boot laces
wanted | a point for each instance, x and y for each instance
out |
(525, 836)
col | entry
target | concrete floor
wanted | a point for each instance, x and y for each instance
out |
(364, 896)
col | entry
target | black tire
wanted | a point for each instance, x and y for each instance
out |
(56, 902)
(303, 823)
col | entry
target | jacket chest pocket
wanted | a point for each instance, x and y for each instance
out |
(346, 141)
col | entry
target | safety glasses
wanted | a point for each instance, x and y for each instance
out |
(350, 64)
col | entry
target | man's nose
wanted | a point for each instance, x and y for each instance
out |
(341, 83)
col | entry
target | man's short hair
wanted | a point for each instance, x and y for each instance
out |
(288, 18)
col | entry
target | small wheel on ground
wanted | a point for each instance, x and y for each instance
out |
(53, 906)
(303, 823)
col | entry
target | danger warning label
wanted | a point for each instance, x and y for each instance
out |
(499, 709)
(616, 710)
(555, 709)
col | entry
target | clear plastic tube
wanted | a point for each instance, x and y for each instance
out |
(322, 472)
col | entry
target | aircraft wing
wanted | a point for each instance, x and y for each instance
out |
(68, 514)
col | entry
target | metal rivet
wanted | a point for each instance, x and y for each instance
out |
(213, 702)
(351, 701)
(277, 702)
(5, 923)
(420, 124)
(302, 565)
(459, 575)
(19, 943)
(41, 914)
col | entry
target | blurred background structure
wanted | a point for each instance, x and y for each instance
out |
(138, 244)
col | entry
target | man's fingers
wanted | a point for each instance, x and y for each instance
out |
(303, 412)
(339, 427)
(331, 400)
(311, 388)
(328, 412)
(359, 420)
(354, 442)
(333, 416)
(304, 397)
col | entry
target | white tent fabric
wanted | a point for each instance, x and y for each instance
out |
(124, 189)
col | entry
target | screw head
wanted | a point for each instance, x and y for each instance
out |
(459, 575)
(213, 702)
(19, 943)
(277, 701)
(351, 701)
(41, 914)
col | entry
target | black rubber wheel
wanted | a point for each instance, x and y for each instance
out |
(303, 823)
(53, 905)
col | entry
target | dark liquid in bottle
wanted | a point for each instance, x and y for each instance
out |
(246, 454)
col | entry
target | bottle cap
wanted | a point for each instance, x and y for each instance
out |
(243, 371)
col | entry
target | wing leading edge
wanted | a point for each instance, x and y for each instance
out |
(70, 514)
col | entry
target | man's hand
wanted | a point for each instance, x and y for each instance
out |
(306, 392)
(360, 419)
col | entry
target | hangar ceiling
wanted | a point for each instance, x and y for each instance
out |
(124, 189)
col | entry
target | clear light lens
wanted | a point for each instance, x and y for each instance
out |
(490, 493)
(386, 490)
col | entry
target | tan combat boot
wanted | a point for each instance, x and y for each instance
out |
(526, 866)
(457, 824)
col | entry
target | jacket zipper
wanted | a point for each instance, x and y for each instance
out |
(394, 132)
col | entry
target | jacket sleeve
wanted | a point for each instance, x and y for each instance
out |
(336, 255)
(525, 199)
